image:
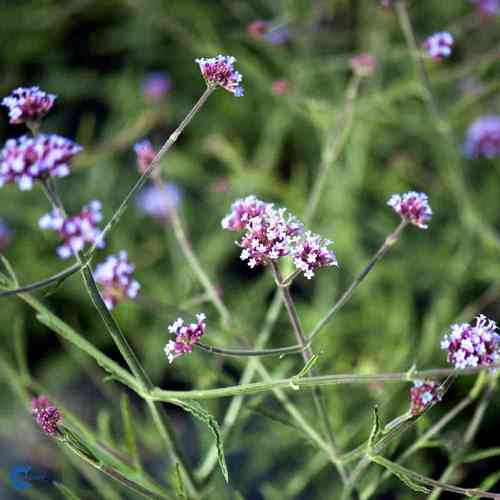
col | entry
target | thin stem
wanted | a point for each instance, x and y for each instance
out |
(236, 353)
(389, 242)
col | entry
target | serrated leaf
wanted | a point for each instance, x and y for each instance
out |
(201, 414)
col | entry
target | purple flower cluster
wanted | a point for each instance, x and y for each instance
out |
(186, 336)
(5, 235)
(483, 137)
(115, 277)
(156, 85)
(219, 72)
(77, 230)
(422, 394)
(46, 414)
(26, 159)
(242, 211)
(412, 207)
(439, 45)
(28, 104)
(158, 201)
(472, 345)
(363, 65)
(264, 30)
(280, 87)
(311, 252)
(145, 154)
(487, 8)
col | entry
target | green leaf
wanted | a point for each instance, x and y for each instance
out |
(178, 483)
(481, 455)
(488, 483)
(129, 432)
(201, 414)
(65, 491)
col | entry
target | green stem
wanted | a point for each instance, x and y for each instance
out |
(389, 242)
(236, 353)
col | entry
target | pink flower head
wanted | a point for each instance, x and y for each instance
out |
(483, 137)
(412, 207)
(186, 336)
(257, 28)
(5, 235)
(439, 45)
(242, 211)
(269, 236)
(156, 85)
(471, 346)
(77, 230)
(311, 252)
(422, 394)
(280, 87)
(487, 8)
(28, 104)
(27, 159)
(363, 65)
(46, 414)
(115, 277)
(145, 154)
(159, 201)
(219, 72)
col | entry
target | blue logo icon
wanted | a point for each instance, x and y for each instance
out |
(19, 477)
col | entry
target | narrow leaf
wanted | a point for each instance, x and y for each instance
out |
(65, 491)
(129, 432)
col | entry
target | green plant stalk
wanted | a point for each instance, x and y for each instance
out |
(389, 242)
(236, 353)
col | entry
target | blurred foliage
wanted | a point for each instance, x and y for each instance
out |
(94, 54)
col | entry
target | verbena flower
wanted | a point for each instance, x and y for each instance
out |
(311, 252)
(145, 154)
(76, 230)
(156, 85)
(158, 202)
(28, 104)
(242, 211)
(277, 36)
(46, 414)
(186, 336)
(5, 235)
(422, 394)
(439, 45)
(483, 137)
(363, 65)
(268, 236)
(219, 72)
(27, 159)
(472, 345)
(115, 277)
(280, 87)
(257, 28)
(487, 8)
(413, 207)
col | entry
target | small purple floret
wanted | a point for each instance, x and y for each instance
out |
(439, 45)
(158, 201)
(311, 252)
(46, 414)
(156, 85)
(145, 154)
(422, 394)
(413, 207)
(242, 211)
(219, 72)
(28, 104)
(483, 137)
(186, 336)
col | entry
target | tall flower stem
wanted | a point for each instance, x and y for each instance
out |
(306, 354)
(389, 242)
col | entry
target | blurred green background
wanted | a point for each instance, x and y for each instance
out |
(95, 56)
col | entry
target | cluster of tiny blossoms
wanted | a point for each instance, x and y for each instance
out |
(422, 394)
(412, 207)
(28, 104)
(219, 72)
(483, 137)
(271, 234)
(145, 153)
(439, 45)
(469, 346)
(115, 277)
(76, 230)
(487, 8)
(46, 414)
(27, 159)
(186, 336)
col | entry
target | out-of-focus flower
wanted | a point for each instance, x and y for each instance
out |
(472, 345)
(186, 336)
(311, 252)
(115, 277)
(156, 85)
(487, 8)
(242, 211)
(158, 202)
(470, 85)
(220, 185)
(28, 104)
(363, 65)
(483, 137)
(413, 207)
(26, 159)
(46, 414)
(422, 394)
(257, 28)
(277, 36)
(5, 235)
(280, 87)
(145, 154)
(439, 45)
(268, 236)
(77, 230)
(219, 72)
(385, 3)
